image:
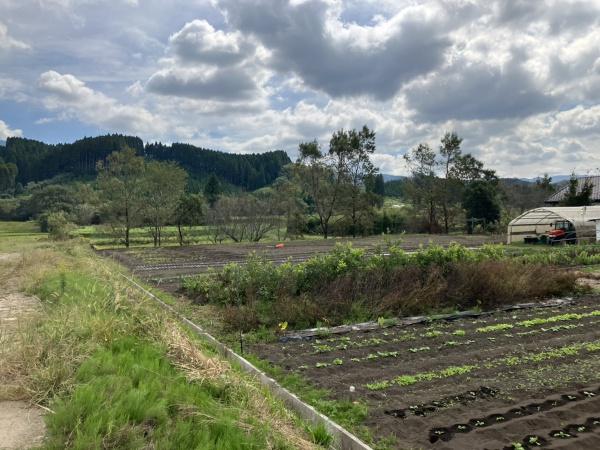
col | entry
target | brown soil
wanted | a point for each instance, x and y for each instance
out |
(450, 407)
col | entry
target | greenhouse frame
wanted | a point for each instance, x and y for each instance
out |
(538, 222)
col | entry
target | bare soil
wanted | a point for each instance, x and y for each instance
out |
(493, 406)
(21, 426)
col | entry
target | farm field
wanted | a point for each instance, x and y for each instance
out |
(515, 379)
(512, 379)
(171, 262)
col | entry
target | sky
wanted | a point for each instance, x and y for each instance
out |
(518, 80)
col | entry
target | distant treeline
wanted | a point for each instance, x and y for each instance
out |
(37, 161)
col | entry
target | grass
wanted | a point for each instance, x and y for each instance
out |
(103, 237)
(130, 391)
(20, 236)
(118, 373)
(349, 414)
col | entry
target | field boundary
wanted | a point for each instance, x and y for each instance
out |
(343, 439)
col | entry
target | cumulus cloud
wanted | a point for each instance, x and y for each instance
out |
(518, 80)
(209, 64)
(6, 132)
(476, 90)
(309, 39)
(69, 95)
(212, 84)
(199, 42)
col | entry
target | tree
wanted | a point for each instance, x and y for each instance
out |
(545, 184)
(243, 217)
(319, 177)
(423, 189)
(121, 182)
(579, 195)
(212, 190)
(188, 212)
(288, 198)
(352, 150)
(8, 176)
(481, 201)
(450, 152)
(163, 186)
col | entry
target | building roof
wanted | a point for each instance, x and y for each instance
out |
(560, 195)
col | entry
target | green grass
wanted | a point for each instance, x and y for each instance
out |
(349, 414)
(103, 237)
(20, 235)
(130, 391)
(99, 357)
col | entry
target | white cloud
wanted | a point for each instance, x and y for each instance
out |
(9, 43)
(69, 95)
(199, 42)
(6, 132)
(519, 80)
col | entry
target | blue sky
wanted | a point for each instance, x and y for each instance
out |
(519, 79)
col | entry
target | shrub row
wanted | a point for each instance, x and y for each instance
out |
(348, 284)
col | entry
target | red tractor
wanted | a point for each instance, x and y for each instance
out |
(563, 233)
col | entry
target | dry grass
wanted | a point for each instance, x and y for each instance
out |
(258, 405)
(186, 355)
(366, 295)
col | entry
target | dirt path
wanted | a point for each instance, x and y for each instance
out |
(21, 426)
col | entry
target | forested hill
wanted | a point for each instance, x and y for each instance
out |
(38, 161)
(250, 171)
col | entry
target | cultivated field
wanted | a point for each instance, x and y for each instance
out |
(527, 377)
(511, 379)
(171, 262)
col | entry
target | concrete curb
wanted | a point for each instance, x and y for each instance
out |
(343, 439)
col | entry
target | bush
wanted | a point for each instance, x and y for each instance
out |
(347, 285)
(57, 225)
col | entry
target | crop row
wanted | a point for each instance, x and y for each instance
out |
(538, 321)
(395, 354)
(345, 342)
(561, 352)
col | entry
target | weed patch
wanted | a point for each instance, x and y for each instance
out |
(348, 285)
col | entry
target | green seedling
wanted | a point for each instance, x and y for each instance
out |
(492, 328)
(432, 334)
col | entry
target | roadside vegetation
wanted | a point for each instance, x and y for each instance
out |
(349, 285)
(115, 372)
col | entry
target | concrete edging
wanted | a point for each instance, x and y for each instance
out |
(343, 439)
